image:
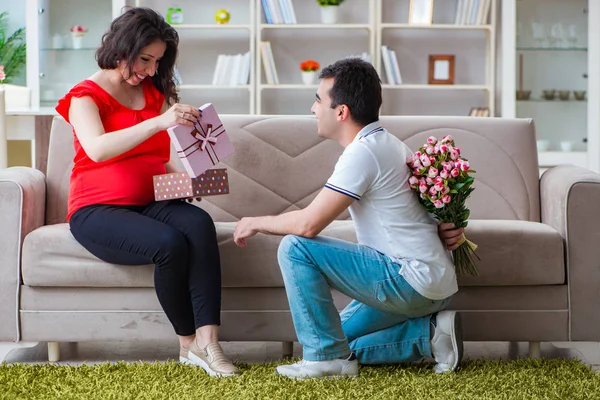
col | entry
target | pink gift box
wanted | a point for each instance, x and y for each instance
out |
(179, 185)
(201, 147)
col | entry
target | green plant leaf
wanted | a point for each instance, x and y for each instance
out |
(13, 50)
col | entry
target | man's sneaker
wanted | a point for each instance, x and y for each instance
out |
(447, 344)
(211, 359)
(338, 368)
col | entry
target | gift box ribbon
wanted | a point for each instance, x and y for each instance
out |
(205, 141)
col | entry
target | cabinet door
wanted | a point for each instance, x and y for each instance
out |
(552, 83)
(66, 57)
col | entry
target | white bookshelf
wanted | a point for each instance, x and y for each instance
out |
(363, 26)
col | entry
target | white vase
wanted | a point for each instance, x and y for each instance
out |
(77, 42)
(329, 14)
(309, 77)
(17, 97)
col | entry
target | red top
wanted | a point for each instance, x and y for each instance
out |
(125, 179)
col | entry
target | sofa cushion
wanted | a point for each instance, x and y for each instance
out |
(52, 257)
(512, 253)
(516, 253)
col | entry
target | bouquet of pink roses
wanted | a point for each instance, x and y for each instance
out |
(441, 178)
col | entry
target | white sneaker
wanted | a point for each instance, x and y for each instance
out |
(211, 359)
(447, 343)
(338, 368)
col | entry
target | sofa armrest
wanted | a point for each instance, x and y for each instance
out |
(570, 203)
(22, 209)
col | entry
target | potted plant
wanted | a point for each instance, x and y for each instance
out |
(329, 10)
(12, 60)
(77, 34)
(309, 71)
(12, 50)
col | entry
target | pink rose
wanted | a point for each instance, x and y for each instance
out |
(438, 187)
(464, 166)
(416, 171)
(446, 199)
(429, 149)
(438, 179)
(454, 173)
(438, 204)
(431, 159)
(417, 154)
(423, 188)
(425, 160)
(447, 139)
(446, 190)
(432, 191)
(433, 172)
(444, 174)
(431, 140)
(436, 150)
(454, 154)
(413, 181)
(429, 181)
(422, 181)
(443, 148)
(417, 164)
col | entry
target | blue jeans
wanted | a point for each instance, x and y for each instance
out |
(388, 322)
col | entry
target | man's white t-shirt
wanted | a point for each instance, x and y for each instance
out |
(387, 214)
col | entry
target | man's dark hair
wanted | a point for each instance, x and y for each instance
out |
(129, 33)
(357, 85)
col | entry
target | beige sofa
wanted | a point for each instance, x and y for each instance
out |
(539, 240)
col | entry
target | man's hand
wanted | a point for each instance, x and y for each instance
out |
(244, 229)
(450, 235)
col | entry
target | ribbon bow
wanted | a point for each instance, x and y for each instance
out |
(204, 139)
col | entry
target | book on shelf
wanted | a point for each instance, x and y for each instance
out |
(269, 63)
(390, 65)
(279, 11)
(479, 112)
(232, 70)
(472, 12)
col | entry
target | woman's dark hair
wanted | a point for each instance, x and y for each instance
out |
(129, 33)
(357, 85)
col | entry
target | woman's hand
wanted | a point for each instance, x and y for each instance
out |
(178, 114)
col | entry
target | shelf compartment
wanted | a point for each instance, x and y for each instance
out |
(436, 87)
(437, 26)
(287, 86)
(553, 158)
(212, 26)
(70, 49)
(209, 86)
(552, 49)
(315, 26)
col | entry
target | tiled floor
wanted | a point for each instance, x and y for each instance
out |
(252, 352)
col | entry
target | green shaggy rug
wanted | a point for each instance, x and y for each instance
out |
(482, 379)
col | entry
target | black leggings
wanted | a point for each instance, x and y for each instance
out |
(179, 238)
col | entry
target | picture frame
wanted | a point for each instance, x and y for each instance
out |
(441, 69)
(420, 12)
